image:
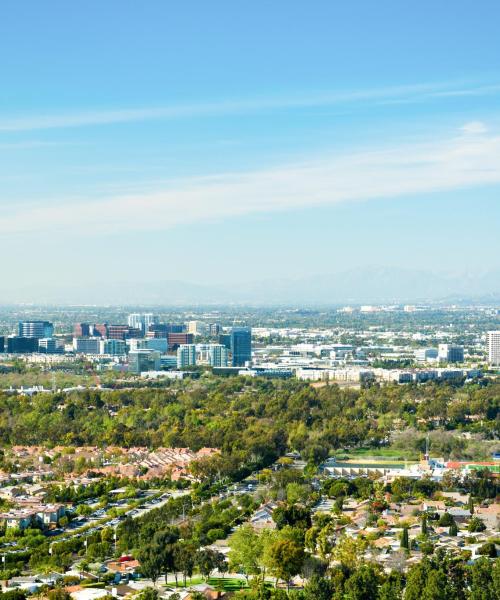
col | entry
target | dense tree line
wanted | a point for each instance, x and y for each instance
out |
(251, 420)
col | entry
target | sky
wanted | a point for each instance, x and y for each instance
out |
(220, 142)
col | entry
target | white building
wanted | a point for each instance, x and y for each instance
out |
(142, 321)
(186, 355)
(493, 341)
(160, 344)
(217, 355)
(197, 328)
(424, 355)
(450, 353)
(112, 347)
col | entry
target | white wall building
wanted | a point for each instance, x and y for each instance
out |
(186, 355)
(493, 342)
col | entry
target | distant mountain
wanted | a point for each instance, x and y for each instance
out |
(356, 286)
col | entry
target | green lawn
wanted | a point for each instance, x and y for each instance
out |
(391, 453)
(228, 584)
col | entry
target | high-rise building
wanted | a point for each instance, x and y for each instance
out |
(177, 339)
(450, 353)
(36, 329)
(21, 345)
(81, 330)
(241, 346)
(87, 345)
(49, 346)
(186, 356)
(493, 341)
(160, 344)
(217, 355)
(143, 360)
(112, 347)
(197, 328)
(424, 355)
(213, 329)
(225, 340)
(2, 343)
(142, 321)
(161, 330)
(99, 330)
(123, 332)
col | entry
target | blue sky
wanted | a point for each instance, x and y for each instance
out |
(222, 141)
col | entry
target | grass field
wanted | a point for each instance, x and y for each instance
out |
(227, 584)
(392, 454)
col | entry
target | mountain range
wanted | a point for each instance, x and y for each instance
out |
(365, 285)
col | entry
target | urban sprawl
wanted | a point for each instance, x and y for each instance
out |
(346, 453)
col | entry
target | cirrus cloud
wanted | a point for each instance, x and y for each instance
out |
(467, 160)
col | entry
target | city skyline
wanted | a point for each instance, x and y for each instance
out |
(215, 145)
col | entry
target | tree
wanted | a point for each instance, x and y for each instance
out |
(294, 515)
(246, 548)
(483, 580)
(476, 525)
(392, 588)
(424, 528)
(221, 563)
(348, 552)
(284, 558)
(417, 580)
(206, 561)
(184, 558)
(149, 594)
(489, 549)
(453, 530)
(445, 520)
(165, 540)
(318, 588)
(405, 539)
(362, 584)
(151, 562)
(471, 505)
(58, 594)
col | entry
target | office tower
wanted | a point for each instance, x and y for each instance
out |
(161, 330)
(36, 329)
(213, 329)
(176, 339)
(424, 355)
(493, 341)
(123, 332)
(112, 347)
(143, 360)
(225, 340)
(99, 330)
(197, 328)
(2, 343)
(450, 353)
(87, 345)
(217, 355)
(48, 346)
(21, 345)
(186, 356)
(142, 321)
(81, 330)
(168, 361)
(160, 344)
(241, 346)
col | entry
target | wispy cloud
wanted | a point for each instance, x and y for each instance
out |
(403, 94)
(471, 158)
(474, 127)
